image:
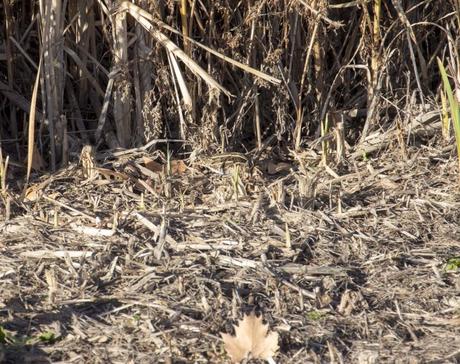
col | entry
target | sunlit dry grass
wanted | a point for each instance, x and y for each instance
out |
(222, 77)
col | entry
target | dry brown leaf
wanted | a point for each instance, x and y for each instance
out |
(281, 167)
(32, 193)
(109, 174)
(178, 167)
(251, 339)
(152, 165)
(35, 192)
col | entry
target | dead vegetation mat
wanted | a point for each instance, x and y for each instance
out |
(135, 260)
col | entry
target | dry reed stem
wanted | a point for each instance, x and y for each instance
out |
(122, 92)
(31, 127)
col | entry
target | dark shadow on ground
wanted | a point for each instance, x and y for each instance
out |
(24, 327)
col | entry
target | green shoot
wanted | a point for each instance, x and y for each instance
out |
(454, 108)
(452, 265)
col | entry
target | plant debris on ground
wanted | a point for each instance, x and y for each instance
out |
(168, 167)
(356, 265)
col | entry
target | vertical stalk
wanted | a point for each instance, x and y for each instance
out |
(82, 36)
(318, 57)
(122, 92)
(325, 143)
(187, 23)
(252, 59)
(51, 28)
(300, 110)
(374, 69)
(9, 64)
(376, 39)
(185, 30)
(142, 77)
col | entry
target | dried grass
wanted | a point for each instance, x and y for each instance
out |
(301, 62)
(290, 157)
(344, 268)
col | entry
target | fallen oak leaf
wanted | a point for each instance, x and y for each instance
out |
(251, 340)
